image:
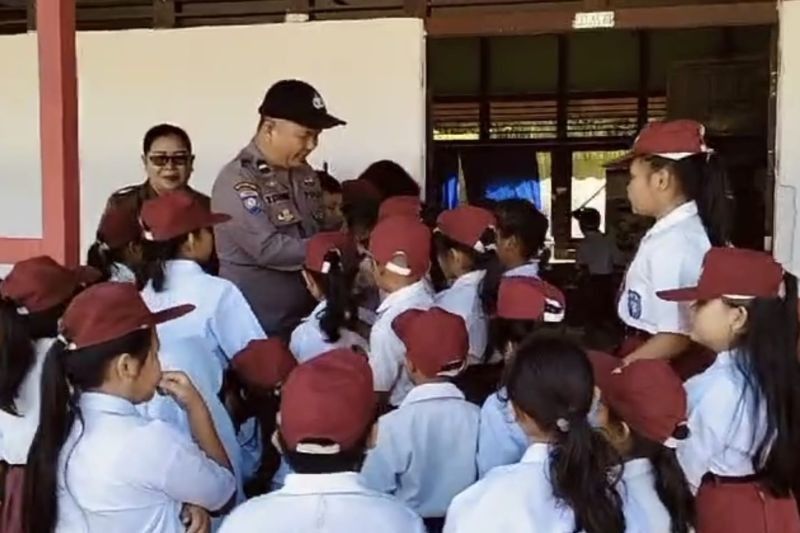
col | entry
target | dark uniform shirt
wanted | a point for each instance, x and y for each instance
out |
(262, 249)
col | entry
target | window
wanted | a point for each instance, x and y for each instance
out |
(589, 183)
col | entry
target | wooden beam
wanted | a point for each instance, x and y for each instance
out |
(163, 13)
(58, 123)
(484, 111)
(644, 78)
(559, 19)
(13, 249)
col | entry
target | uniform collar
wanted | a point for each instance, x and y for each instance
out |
(340, 482)
(402, 295)
(676, 216)
(123, 273)
(470, 278)
(637, 468)
(432, 391)
(182, 266)
(538, 452)
(106, 403)
(317, 310)
(528, 270)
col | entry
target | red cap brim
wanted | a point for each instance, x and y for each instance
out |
(170, 313)
(689, 294)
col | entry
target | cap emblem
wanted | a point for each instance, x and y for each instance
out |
(317, 102)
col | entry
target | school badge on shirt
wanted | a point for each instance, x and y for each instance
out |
(634, 304)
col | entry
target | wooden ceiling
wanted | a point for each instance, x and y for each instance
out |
(443, 17)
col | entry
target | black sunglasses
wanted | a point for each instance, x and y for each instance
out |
(162, 160)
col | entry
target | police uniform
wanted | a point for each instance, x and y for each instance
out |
(273, 212)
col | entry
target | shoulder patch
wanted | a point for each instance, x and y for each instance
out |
(245, 186)
(250, 196)
(634, 304)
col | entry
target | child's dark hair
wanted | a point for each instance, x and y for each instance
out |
(328, 183)
(588, 218)
(671, 484)
(704, 180)
(390, 179)
(343, 461)
(65, 375)
(101, 257)
(770, 366)
(521, 219)
(340, 310)
(362, 214)
(17, 354)
(156, 254)
(551, 380)
(485, 260)
(165, 130)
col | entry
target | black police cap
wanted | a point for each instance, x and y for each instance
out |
(298, 102)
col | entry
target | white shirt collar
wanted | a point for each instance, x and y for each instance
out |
(636, 468)
(538, 452)
(183, 266)
(529, 270)
(402, 294)
(317, 310)
(470, 278)
(340, 482)
(106, 403)
(123, 273)
(432, 391)
(674, 217)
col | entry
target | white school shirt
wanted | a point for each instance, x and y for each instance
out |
(119, 471)
(463, 299)
(122, 273)
(599, 253)
(643, 509)
(518, 498)
(308, 340)
(425, 450)
(187, 355)
(222, 318)
(527, 270)
(387, 352)
(16, 432)
(501, 440)
(721, 423)
(670, 256)
(323, 503)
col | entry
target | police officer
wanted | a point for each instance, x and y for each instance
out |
(275, 201)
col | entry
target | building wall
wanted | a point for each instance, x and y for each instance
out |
(211, 81)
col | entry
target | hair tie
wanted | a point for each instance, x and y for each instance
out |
(102, 246)
(562, 424)
(326, 265)
(67, 344)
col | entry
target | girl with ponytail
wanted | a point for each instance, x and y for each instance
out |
(744, 411)
(329, 272)
(95, 464)
(117, 250)
(679, 181)
(641, 410)
(32, 299)
(567, 480)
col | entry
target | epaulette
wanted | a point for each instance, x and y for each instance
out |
(126, 190)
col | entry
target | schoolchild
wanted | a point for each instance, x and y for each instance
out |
(117, 250)
(424, 452)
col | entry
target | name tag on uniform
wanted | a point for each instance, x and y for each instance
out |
(634, 304)
(277, 197)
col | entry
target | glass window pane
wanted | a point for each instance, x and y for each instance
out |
(454, 66)
(523, 65)
(587, 73)
(589, 183)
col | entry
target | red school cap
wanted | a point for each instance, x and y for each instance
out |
(410, 206)
(109, 311)
(675, 140)
(733, 273)
(402, 237)
(328, 398)
(436, 340)
(321, 243)
(527, 298)
(176, 213)
(119, 226)
(466, 224)
(40, 283)
(264, 363)
(647, 395)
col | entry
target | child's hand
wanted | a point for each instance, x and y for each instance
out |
(180, 387)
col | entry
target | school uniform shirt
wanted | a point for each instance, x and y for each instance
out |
(309, 341)
(187, 356)
(222, 318)
(501, 440)
(599, 253)
(425, 450)
(463, 299)
(721, 423)
(387, 351)
(16, 432)
(323, 503)
(642, 507)
(527, 270)
(670, 255)
(516, 498)
(119, 471)
(122, 273)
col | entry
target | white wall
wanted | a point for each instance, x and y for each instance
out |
(787, 200)
(211, 81)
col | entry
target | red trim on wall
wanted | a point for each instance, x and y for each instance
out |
(12, 250)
